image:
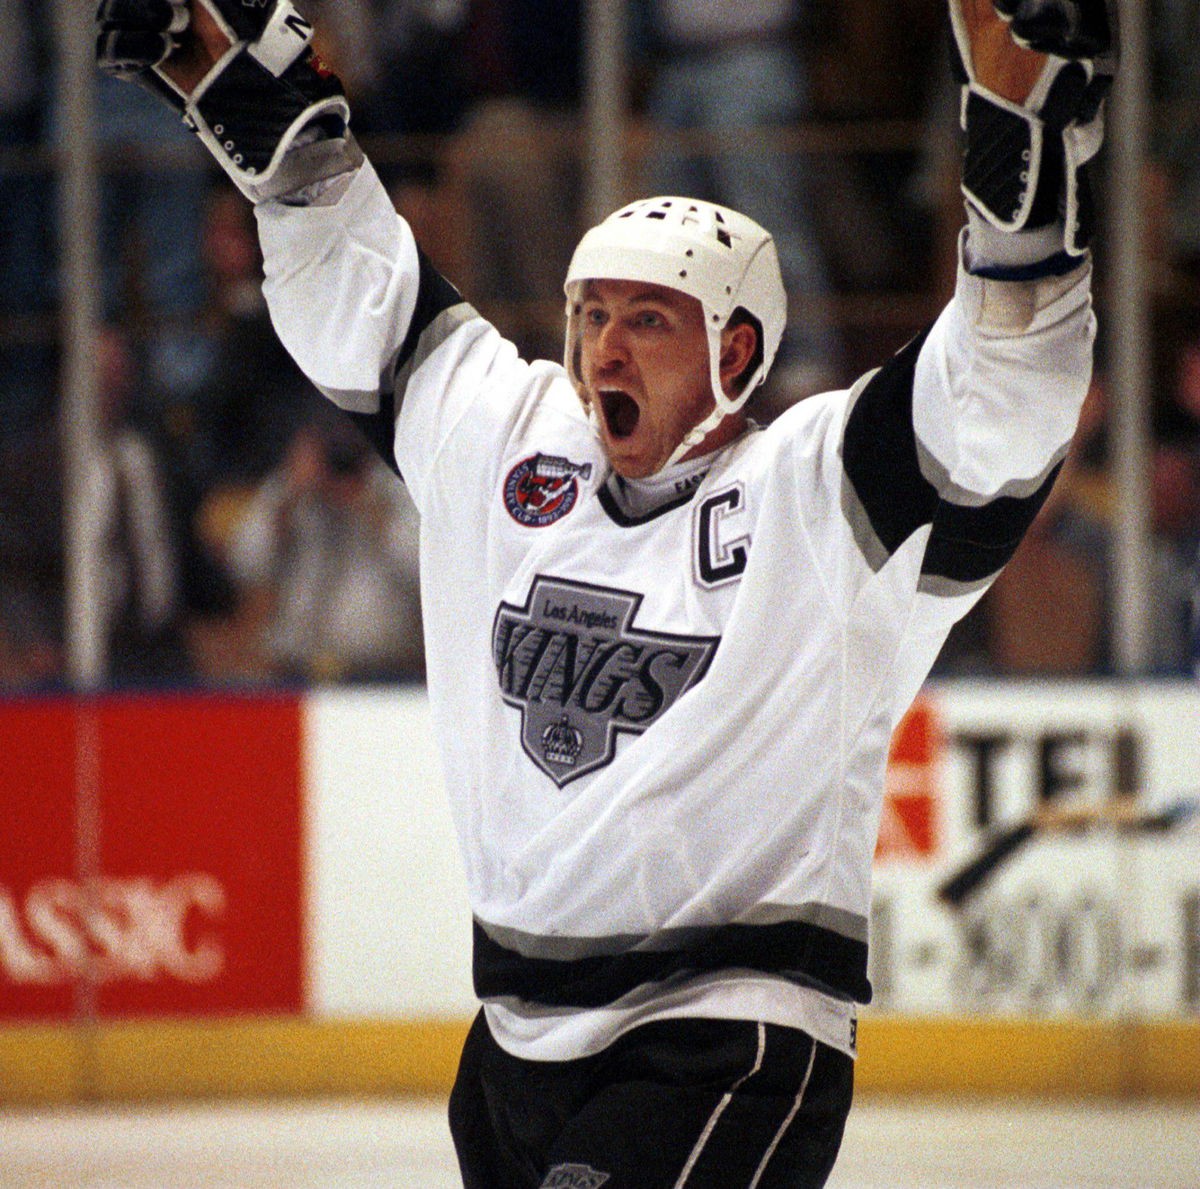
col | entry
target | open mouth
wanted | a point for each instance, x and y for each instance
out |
(621, 412)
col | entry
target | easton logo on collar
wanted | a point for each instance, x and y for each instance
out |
(579, 671)
(543, 488)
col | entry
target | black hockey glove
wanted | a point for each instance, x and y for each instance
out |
(244, 77)
(136, 35)
(1080, 29)
(1024, 164)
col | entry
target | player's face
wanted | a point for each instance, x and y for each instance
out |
(644, 364)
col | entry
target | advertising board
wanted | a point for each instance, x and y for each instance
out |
(151, 860)
(1065, 879)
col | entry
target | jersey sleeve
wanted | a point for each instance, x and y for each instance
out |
(382, 333)
(949, 450)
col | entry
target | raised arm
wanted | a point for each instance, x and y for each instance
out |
(244, 78)
(950, 449)
(351, 296)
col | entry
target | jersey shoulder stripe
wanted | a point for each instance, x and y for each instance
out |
(894, 489)
(435, 295)
(881, 461)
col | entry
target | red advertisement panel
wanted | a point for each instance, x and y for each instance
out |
(37, 847)
(908, 828)
(165, 869)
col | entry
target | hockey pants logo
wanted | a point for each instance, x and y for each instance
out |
(574, 1176)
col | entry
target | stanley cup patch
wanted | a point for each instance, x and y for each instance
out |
(543, 488)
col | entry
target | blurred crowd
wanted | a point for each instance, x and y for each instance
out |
(243, 533)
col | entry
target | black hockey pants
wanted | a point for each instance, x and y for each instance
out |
(675, 1104)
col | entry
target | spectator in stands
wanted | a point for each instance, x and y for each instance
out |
(515, 163)
(402, 64)
(250, 398)
(1175, 500)
(1062, 562)
(225, 425)
(1175, 28)
(731, 69)
(26, 364)
(154, 171)
(405, 68)
(326, 562)
(127, 537)
(1067, 560)
(126, 540)
(31, 559)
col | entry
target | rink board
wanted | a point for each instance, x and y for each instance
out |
(210, 895)
(1070, 1059)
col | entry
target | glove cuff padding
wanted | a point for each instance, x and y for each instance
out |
(1083, 29)
(1025, 156)
(1024, 170)
(249, 118)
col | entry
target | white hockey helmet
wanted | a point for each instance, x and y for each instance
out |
(723, 259)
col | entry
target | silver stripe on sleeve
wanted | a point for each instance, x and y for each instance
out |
(937, 475)
(432, 337)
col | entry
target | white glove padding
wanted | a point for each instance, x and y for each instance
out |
(1026, 151)
(245, 80)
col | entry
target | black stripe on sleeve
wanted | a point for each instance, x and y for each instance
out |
(796, 950)
(879, 453)
(970, 544)
(380, 429)
(434, 295)
(967, 544)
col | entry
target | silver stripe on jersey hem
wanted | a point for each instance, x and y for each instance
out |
(568, 949)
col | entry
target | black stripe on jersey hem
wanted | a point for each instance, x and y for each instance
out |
(970, 544)
(795, 950)
(623, 519)
(879, 453)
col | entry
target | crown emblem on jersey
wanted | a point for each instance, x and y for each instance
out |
(562, 743)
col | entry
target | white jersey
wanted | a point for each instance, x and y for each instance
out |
(664, 710)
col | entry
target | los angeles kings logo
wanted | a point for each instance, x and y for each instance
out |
(579, 671)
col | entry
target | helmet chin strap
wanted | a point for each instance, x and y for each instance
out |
(695, 436)
(725, 404)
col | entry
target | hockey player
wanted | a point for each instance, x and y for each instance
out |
(667, 648)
